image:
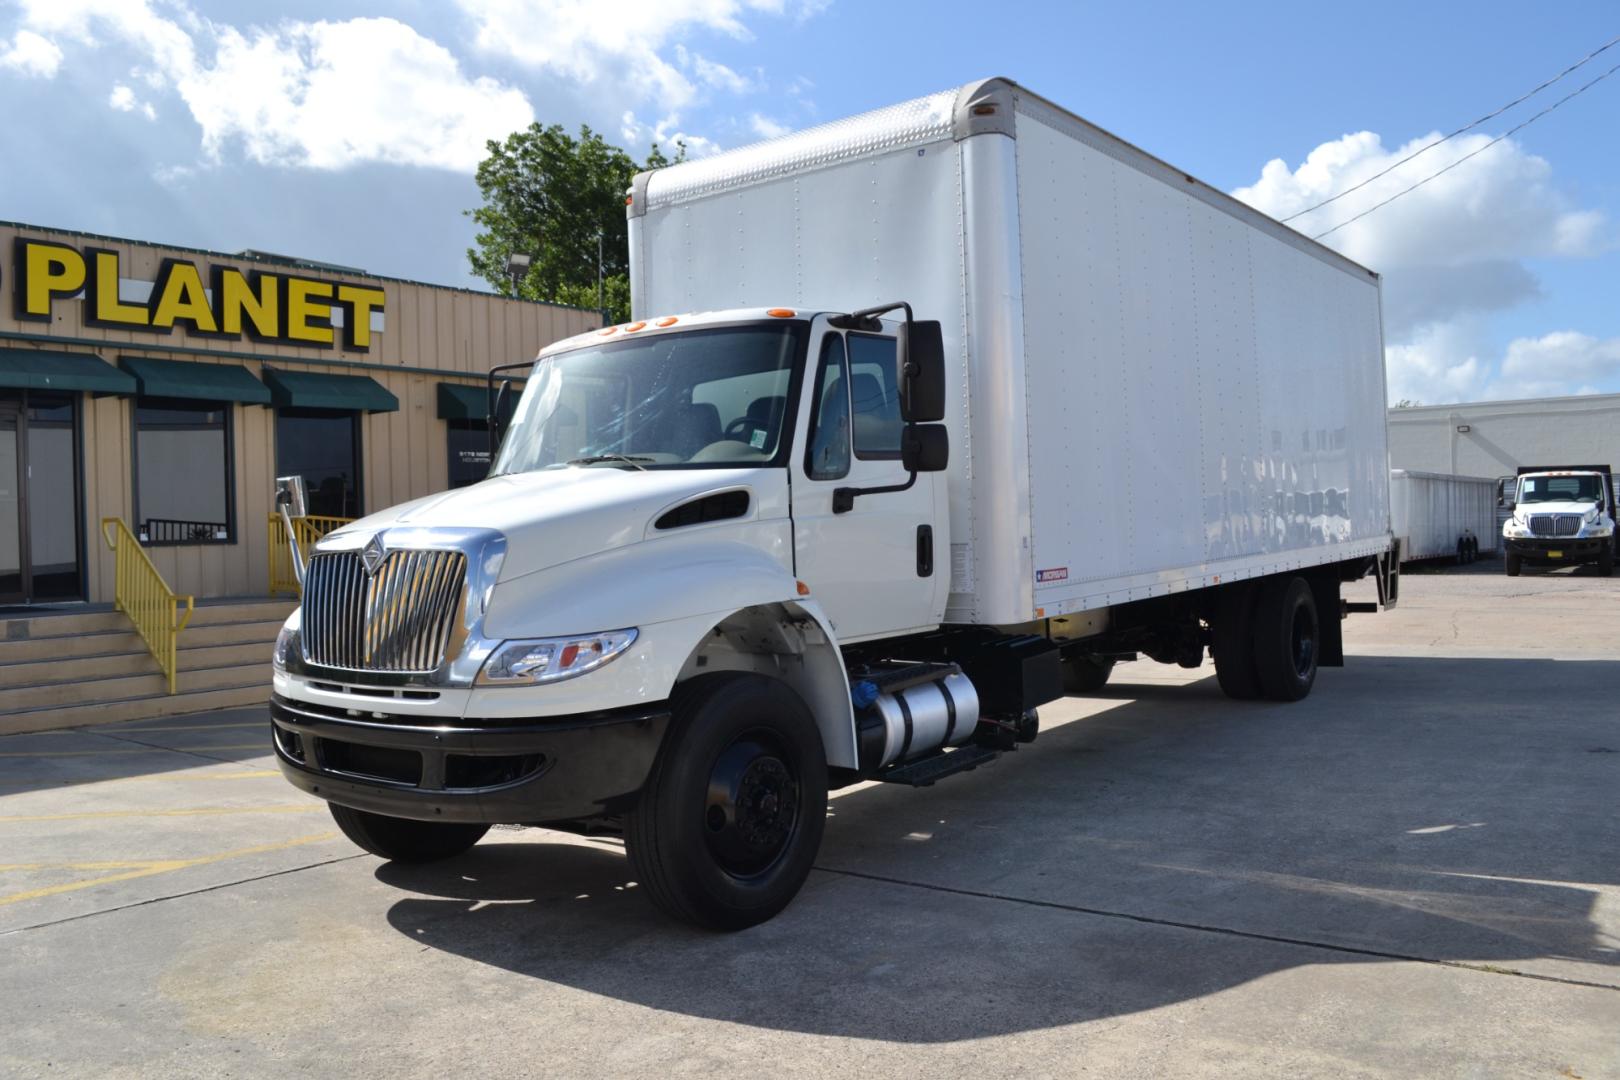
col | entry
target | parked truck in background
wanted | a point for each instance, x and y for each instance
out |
(923, 416)
(1561, 515)
(1440, 516)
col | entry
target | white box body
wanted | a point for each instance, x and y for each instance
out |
(1155, 387)
(1430, 512)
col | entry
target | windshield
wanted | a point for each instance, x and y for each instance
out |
(692, 399)
(1539, 489)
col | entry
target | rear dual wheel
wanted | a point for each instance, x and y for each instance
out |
(1267, 640)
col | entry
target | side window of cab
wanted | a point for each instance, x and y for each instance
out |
(827, 455)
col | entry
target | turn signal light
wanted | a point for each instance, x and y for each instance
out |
(804, 590)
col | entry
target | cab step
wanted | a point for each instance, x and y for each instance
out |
(936, 766)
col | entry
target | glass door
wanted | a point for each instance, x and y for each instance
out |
(11, 506)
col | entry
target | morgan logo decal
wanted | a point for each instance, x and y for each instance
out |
(372, 557)
(1057, 573)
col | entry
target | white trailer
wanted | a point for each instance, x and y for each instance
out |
(923, 417)
(1438, 516)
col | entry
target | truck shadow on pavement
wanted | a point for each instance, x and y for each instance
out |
(1163, 845)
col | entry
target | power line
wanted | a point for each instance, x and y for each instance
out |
(1465, 128)
(1476, 153)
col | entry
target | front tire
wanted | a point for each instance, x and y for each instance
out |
(404, 840)
(1605, 562)
(727, 827)
(1287, 638)
(1511, 563)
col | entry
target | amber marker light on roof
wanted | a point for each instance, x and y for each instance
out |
(609, 330)
(781, 313)
(667, 320)
(633, 327)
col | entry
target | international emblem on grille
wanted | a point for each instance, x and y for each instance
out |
(373, 555)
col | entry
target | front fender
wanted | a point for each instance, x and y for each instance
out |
(676, 595)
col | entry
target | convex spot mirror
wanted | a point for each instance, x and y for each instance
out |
(925, 447)
(291, 494)
(921, 356)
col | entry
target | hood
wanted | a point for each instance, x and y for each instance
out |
(558, 515)
(1525, 510)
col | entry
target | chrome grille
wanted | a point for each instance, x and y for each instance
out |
(1555, 524)
(398, 619)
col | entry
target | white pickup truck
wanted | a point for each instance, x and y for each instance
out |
(1561, 516)
(924, 417)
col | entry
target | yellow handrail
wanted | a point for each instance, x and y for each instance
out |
(143, 595)
(309, 530)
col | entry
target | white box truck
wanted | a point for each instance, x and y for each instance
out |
(1441, 516)
(923, 416)
(1559, 515)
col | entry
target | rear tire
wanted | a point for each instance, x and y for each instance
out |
(1287, 638)
(404, 840)
(1511, 563)
(1084, 674)
(727, 827)
(1232, 643)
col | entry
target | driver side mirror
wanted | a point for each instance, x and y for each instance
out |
(1504, 494)
(925, 447)
(920, 354)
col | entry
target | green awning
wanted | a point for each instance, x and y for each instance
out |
(181, 379)
(457, 402)
(36, 369)
(308, 390)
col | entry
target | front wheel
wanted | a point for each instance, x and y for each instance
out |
(727, 827)
(1511, 564)
(404, 840)
(1605, 562)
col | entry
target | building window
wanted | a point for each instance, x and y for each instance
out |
(183, 471)
(469, 451)
(322, 446)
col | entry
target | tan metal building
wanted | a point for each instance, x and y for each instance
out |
(167, 387)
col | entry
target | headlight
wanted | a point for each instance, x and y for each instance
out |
(545, 660)
(284, 639)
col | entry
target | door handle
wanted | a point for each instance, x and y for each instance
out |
(925, 551)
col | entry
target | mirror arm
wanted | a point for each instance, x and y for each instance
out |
(284, 504)
(844, 497)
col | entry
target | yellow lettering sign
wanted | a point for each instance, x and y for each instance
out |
(179, 296)
(253, 306)
(101, 293)
(304, 302)
(44, 272)
(358, 304)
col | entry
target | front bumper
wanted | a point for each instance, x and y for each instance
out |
(563, 768)
(1570, 549)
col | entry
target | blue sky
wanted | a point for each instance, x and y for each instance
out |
(348, 132)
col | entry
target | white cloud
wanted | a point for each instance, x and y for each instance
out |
(765, 127)
(1452, 251)
(667, 133)
(321, 94)
(31, 54)
(624, 54)
(1555, 363)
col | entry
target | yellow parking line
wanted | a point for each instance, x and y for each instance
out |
(300, 808)
(162, 866)
(265, 746)
(176, 727)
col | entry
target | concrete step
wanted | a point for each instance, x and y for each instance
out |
(60, 624)
(57, 693)
(126, 640)
(137, 708)
(139, 662)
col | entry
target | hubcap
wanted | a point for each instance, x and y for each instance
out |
(752, 810)
(1303, 642)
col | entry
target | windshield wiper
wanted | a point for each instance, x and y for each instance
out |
(597, 459)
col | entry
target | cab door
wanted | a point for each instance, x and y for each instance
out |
(875, 567)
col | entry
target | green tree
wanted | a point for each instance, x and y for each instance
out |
(551, 196)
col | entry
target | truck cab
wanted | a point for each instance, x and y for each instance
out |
(1560, 516)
